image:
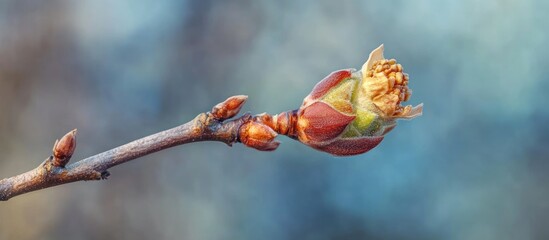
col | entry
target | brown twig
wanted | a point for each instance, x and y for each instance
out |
(210, 126)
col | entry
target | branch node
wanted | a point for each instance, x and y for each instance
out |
(246, 117)
(45, 163)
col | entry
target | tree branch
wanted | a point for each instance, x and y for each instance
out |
(210, 126)
(347, 113)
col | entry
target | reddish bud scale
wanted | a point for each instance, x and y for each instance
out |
(320, 122)
(326, 84)
(349, 146)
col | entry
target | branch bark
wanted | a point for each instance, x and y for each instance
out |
(209, 126)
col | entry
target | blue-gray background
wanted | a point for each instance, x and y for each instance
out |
(474, 166)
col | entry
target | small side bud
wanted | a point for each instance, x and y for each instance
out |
(258, 136)
(64, 148)
(229, 108)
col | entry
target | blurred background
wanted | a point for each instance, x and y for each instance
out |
(474, 166)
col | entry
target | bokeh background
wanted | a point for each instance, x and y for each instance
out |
(474, 166)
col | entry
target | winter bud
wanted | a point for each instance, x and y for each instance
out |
(229, 108)
(259, 136)
(64, 148)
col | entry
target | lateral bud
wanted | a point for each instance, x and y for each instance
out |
(64, 148)
(259, 136)
(229, 108)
